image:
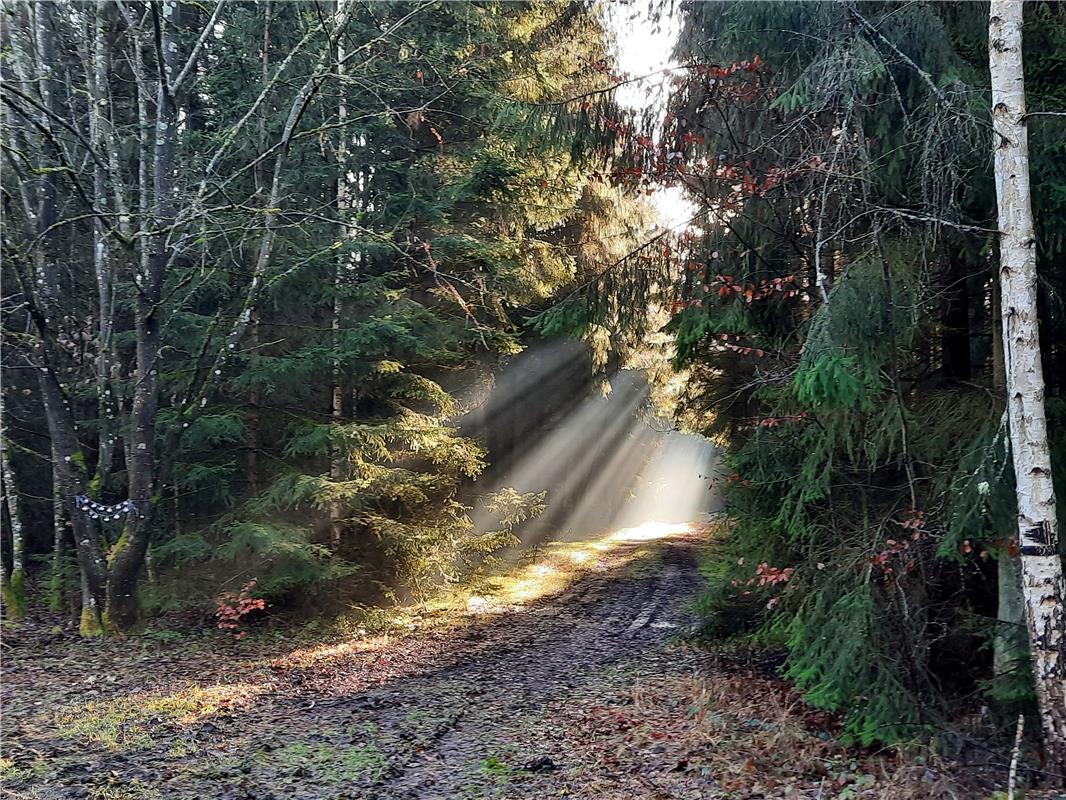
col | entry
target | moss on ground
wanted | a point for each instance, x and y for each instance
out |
(128, 722)
(326, 762)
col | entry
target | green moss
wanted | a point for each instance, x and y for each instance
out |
(14, 595)
(328, 762)
(91, 624)
(120, 545)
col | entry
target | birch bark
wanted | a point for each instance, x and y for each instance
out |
(337, 471)
(14, 585)
(1041, 564)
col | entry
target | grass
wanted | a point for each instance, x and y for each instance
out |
(133, 790)
(494, 775)
(496, 769)
(329, 763)
(10, 772)
(127, 722)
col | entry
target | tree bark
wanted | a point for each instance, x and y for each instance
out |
(1009, 641)
(343, 263)
(253, 413)
(70, 482)
(127, 555)
(100, 61)
(14, 584)
(59, 537)
(1041, 564)
(955, 315)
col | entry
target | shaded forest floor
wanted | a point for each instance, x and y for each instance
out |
(564, 678)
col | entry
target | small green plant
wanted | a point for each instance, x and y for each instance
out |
(496, 769)
(329, 763)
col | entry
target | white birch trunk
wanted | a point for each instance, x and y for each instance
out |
(1041, 564)
(98, 122)
(337, 471)
(1009, 643)
(14, 588)
(59, 535)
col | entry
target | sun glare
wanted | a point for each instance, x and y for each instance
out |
(644, 47)
(650, 531)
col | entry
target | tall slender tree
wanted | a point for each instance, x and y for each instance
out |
(249, 297)
(1038, 545)
(14, 582)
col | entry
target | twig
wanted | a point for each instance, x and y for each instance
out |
(1012, 775)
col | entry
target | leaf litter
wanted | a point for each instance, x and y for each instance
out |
(583, 690)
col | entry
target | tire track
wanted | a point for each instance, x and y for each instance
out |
(549, 657)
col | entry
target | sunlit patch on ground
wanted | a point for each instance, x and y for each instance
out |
(558, 564)
(499, 587)
(544, 571)
(651, 530)
(128, 721)
(359, 642)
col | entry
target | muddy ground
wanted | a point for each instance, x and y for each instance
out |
(587, 693)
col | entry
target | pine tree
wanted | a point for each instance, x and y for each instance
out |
(277, 260)
(830, 316)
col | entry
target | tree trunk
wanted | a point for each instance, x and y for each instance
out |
(261, 177)
(1009, 641)
(337, 471)
(1041, 564)
(14, 584)
(70, 482)
(955, 315)
(102, 267)
(127, 555)
(59, 536)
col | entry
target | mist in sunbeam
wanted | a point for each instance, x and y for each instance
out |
(599, 458)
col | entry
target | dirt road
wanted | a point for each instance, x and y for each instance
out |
(494, 714)
(468, 713)
(584, 692)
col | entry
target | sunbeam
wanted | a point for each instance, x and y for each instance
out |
(603, 466)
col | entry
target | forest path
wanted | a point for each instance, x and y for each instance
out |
(465, 712)
(565, 679)
(483, 722)
(493, 720)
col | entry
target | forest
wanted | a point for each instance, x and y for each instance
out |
(485, 399)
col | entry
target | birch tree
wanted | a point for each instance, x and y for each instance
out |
(81, 149)
(14, 591)
(119, 225)
(1041, 563)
